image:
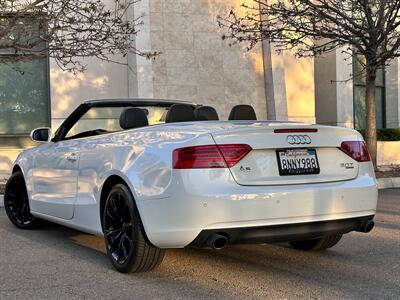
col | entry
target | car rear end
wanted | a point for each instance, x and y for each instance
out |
(259, 182)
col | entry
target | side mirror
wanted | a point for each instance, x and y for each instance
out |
(41, 135)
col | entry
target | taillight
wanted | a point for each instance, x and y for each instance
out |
(209, 156)
(357, 150)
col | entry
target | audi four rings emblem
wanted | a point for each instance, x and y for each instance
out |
(298, 140)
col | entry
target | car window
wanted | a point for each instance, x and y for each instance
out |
(100, 120)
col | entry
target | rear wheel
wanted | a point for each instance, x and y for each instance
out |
(16, 202)
(126, 243)
(317, 244)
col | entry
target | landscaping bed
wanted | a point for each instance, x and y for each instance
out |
(388, 171)
(386, 134)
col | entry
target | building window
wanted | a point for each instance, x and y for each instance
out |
(359, 96)
(24, 91)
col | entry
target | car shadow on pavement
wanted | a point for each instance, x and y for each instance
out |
(236, 266)
(360, 266)
(332, 269)
(68, 240)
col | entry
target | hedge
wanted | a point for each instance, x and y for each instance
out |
(387, 134)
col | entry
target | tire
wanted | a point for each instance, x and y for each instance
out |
(16, 203)
(317, 244)
(126, 243)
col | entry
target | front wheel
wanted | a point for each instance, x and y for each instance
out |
(16, 202)
(126, 243)
(317, 244)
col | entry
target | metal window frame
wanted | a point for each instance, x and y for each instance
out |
(47, 81)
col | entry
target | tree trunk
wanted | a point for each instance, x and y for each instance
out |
(370, 130)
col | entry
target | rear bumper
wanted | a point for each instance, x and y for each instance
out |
(282, 233)
(203, 200)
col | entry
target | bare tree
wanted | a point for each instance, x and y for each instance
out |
(314, 27)
(67, 30)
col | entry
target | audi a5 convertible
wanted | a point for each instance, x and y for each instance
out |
(155, 174)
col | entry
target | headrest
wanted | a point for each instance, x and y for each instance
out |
(133, 118)
(242, 112)
(206, 113)
(179, 113)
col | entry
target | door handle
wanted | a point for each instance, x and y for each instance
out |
(72, 157)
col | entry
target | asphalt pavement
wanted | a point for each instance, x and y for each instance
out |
(58, 263)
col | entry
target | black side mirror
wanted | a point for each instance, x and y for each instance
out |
(41, 135)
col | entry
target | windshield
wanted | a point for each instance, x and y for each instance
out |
(98, 120)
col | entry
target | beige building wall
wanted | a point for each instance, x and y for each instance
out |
(300, 91)
(325, 89)
(7, 158)
(388, 153)
(334, 89)
(196, 64)
(289, 84)
(392, 93)
(100, 80)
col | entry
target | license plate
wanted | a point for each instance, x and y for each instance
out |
(297, 162)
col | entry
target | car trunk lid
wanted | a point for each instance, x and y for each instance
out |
(263, 165)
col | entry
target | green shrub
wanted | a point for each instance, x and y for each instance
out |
(387, 134)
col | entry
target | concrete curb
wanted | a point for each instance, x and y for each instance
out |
(388, 183)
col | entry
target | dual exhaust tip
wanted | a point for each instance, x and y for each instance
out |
(217, 241)
(366, 226)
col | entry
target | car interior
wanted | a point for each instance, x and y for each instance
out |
(136, 117)
(206, 113)
(185, 113)
(180, 113)
(242, 112)
(133, 117)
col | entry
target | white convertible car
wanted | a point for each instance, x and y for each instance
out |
(155, 174)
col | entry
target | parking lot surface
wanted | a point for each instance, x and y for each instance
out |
(58, 263)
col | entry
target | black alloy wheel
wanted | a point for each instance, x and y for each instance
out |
(126, 243)
(16, 202)
(118, 227)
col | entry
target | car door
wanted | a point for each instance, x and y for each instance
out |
(55, 179)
